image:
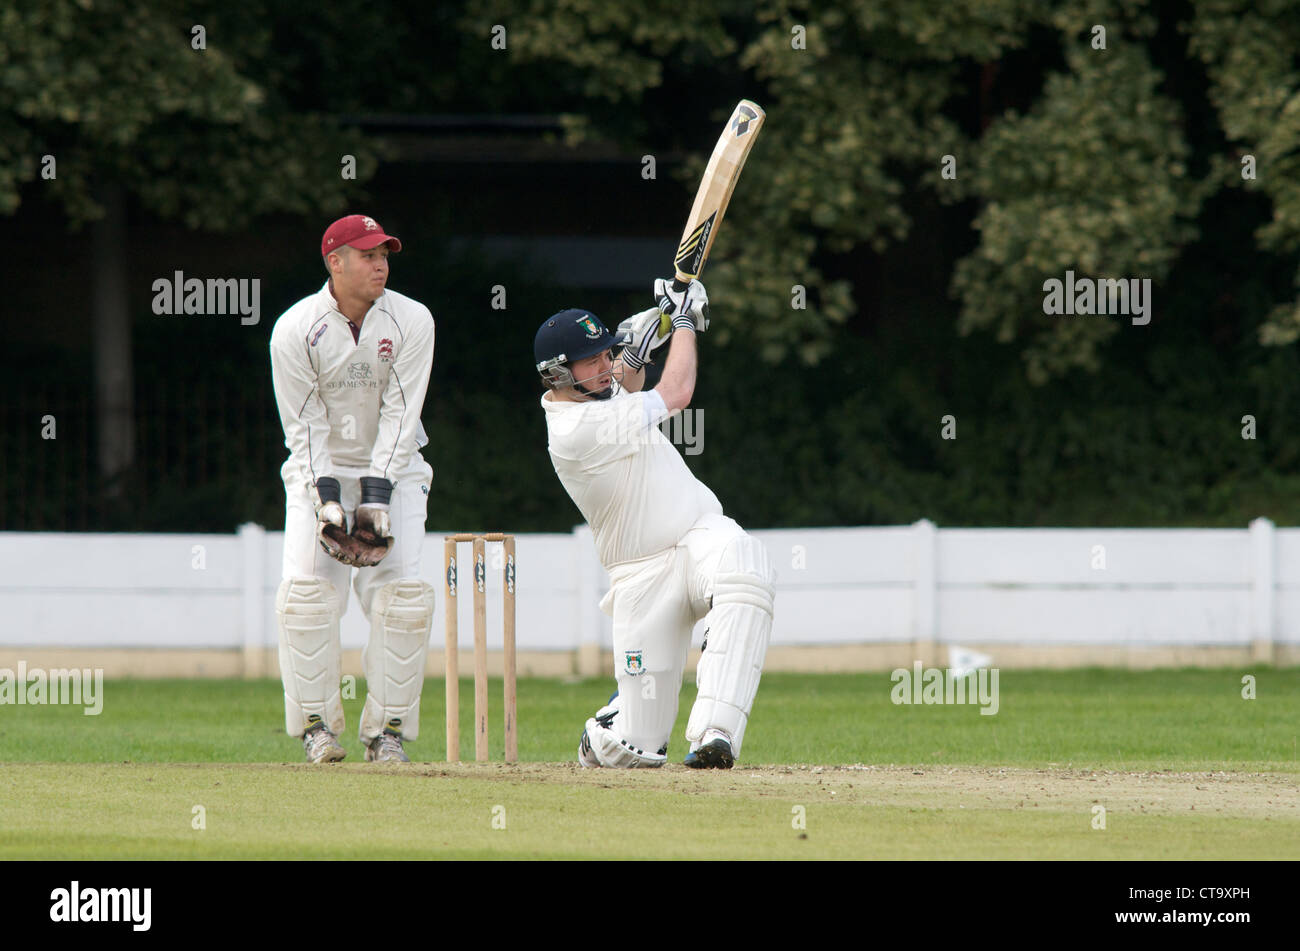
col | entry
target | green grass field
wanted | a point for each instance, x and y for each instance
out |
(1183, 766)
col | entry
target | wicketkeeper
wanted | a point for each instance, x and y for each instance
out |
(351, 366)
(672, 556)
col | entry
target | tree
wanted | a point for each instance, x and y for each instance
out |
(108, 99)
(1083, 157)
(1249, 52)
(1093, 180)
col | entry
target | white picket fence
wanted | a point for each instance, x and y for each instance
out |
(836, 586)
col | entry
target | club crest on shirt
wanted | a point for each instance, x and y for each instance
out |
(634, 665)
(590, 327)
(385, 350)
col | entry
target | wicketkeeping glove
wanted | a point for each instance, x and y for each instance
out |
(371, 537)
(687, 308)
(640, 335)
(372, 526)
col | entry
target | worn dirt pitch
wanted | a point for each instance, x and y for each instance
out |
(537, 810)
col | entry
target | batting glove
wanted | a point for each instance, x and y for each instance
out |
(687, 308)
(640, 336)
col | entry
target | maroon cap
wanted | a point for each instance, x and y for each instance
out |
(356, 231)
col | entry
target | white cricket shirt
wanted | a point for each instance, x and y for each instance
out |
(628, 481)
(350, 404)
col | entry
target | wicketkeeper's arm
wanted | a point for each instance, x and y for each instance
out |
(403, 400)
(302, 412)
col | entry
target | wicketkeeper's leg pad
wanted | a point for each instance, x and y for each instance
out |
(401, 614)
(740, 626)
(310, 656)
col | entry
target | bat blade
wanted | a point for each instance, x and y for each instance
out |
(714, 193)
(719, 181)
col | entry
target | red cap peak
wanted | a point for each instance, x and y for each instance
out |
(357, 231)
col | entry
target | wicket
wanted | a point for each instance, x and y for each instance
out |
(480, 645)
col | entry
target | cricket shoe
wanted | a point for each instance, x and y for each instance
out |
(321, 745)
(605, 717)
(586, 755)
(386, 748)
(588, 759)
(714, 752)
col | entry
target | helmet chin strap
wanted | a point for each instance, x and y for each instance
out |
(604, 394)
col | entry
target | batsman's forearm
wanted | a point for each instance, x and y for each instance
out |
(631, 380)
(677, 385)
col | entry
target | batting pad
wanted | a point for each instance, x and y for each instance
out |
(401, 614)
(310, 657)
(740, 627)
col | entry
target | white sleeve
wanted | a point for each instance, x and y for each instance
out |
(619, 427)
(403, 399)
(302, 413)
(654, 409)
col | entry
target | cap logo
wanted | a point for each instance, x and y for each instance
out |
(589, 325)
(370, 223)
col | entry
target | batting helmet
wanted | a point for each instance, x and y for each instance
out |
(570, 335)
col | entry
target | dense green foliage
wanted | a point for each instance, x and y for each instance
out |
(924, 292)
(119, 92)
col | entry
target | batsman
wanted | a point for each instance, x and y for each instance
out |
(673, 557)
(350, 366)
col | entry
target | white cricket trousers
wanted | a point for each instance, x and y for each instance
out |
(655, 603)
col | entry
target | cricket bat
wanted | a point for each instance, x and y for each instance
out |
(711, 199)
